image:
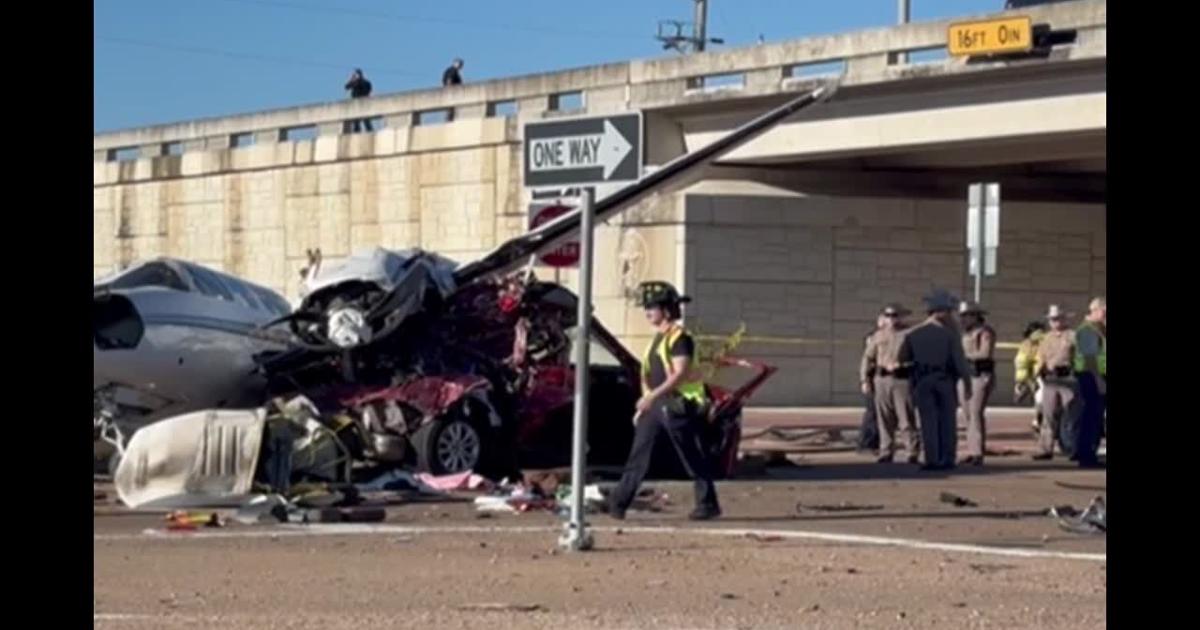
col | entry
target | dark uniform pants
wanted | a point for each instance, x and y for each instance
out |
(868, 434)
(937, 406)
(1091, 419)
(682, 431)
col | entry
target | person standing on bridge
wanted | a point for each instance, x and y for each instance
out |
(359, 87)
(452, 75)
(979, 346)
(674, 401)
(934, 349)
(1056, 358)
(868, 433)
(883, 374)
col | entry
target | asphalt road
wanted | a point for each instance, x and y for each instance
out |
(829, 540)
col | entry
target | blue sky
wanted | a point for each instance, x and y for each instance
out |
(168, 60)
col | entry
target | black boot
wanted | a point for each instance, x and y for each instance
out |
(704, 513)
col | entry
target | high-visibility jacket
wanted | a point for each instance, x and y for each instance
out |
(1101, 361)
(1026, 361)
(692, 386)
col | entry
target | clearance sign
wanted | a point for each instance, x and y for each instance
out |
(990, 37)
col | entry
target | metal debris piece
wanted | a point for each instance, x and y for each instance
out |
(502, 607)
(1093, 520)
(844, 506)
(990, 568)
(956, 501)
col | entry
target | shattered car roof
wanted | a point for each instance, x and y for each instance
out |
(384, 268)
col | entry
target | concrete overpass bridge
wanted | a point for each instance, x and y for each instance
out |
(799, 235)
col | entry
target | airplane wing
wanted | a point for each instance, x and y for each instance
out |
(674, 175)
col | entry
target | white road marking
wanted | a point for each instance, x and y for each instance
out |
(374, 529)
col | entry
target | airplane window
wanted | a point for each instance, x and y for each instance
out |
(244, 294)
(273, 302)
(153, 274)
(209, 283)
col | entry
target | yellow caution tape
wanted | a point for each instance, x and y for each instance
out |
(804, 341)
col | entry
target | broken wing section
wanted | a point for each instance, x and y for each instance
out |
(674, 175)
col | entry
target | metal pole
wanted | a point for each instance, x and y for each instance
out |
(903, 14)
(576, 537)
(980, 241)
(701, 33)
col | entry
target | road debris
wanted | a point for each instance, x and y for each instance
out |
(502, 607)
(181, 520)
(764, 537)
(1093, 520)
(844, 506)
(956, 501)
(466, 480)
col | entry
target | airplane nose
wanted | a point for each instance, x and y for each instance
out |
(116, 324)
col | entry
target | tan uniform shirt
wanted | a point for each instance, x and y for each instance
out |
(1057, 350)
(979, 343)
(883, 352)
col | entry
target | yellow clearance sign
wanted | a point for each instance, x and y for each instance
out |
(990, 37)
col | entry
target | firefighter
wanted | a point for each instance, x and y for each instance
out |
(1028, 383)
(674, 401)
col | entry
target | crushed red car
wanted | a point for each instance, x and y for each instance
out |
(478, 377)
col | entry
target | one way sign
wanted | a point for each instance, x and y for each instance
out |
(583, 151)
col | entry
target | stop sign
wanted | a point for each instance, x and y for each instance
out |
(565, 255)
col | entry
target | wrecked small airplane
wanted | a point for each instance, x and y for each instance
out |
(439, 366)
(169, 337)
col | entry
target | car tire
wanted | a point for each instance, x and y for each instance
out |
(451, 444)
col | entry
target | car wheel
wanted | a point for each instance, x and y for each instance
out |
(448, 445)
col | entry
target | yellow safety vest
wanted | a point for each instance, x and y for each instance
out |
(1026, 359)
(692, 387)
(1101, 360)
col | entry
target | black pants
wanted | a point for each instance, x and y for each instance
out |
(1091, 420)
(359, 124)
(868, 434)
(681, 429)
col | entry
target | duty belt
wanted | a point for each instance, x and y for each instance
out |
(897, 373)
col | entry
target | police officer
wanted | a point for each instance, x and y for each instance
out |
(979, 347)
(1056, 358)
(868, 433)
(890, 385)
(1091, 374)
(674, 400)
(935, 352)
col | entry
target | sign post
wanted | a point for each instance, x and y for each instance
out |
(576, 537)
(983, 231)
